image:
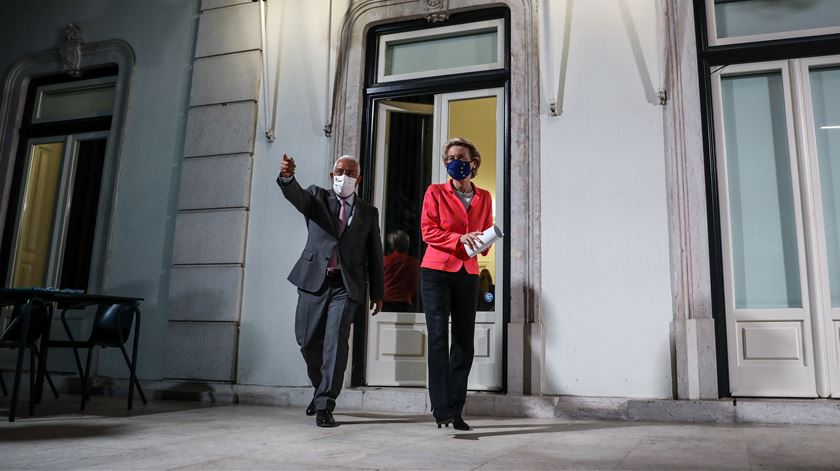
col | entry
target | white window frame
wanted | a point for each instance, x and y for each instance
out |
(71, 87)
(442, 32)
(714, 40)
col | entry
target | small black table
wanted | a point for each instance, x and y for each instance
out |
(62, 299)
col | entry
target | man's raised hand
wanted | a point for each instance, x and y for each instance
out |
(287, 167)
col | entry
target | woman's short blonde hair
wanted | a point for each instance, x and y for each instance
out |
(475, 155)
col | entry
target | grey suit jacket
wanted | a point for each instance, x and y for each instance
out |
(359, 247)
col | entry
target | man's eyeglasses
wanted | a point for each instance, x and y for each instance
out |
(350, 173)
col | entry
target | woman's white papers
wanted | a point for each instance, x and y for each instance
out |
(492, 234)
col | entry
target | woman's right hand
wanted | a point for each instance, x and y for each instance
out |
(471, 239)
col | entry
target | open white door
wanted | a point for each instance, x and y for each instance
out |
(396, 337)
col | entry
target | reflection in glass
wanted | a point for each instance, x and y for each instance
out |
(825, 93)
(763, 228)
(401, 273)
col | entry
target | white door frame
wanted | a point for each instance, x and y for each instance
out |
(411, 326)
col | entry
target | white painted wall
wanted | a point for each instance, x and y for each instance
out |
(606, 288)
(268, 352)
(606, 299)
(162, 34)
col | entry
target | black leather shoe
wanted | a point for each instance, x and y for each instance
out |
(310, 409)
(459, 424)
(324, 418)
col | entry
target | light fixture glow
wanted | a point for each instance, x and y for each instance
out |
(830, 127)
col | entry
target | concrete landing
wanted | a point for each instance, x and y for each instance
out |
(200, 435)
(416, 401)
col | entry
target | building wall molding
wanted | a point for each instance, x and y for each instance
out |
(524, 344)
(208, 256)
(693, 325)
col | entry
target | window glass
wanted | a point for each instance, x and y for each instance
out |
(825, 92)
(754, 17)
(74, 100)
(441, 53)
(463, 48)
(763, 223)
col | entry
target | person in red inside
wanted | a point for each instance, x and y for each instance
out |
(401, 271)
(454, 214)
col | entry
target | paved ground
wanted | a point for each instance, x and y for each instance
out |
(187, 435)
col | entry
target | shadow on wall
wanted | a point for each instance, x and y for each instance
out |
(188, 391)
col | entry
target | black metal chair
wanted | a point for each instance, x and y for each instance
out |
(112, 325)
(29, 322)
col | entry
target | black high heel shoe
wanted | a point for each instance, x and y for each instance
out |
(459, 424)
(445, 421)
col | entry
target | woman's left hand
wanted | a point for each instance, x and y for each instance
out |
(471, 239)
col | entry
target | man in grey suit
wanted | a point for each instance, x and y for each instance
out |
(341, 261)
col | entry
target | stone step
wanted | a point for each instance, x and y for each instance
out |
(416, 401)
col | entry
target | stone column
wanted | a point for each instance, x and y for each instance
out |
(693, 327)
(208, 261)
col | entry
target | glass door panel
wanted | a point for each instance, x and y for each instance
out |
(83, 214)
(825, 95)
(820, 79)
(32, 249)
(768, 312)
(475, 119)
(478, 116)
(764, 242)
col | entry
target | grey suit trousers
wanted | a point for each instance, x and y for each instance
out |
(322, 329)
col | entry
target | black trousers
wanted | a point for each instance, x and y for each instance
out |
(448, 294)
(322, 329)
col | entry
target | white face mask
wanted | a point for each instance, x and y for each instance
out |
(343, 185)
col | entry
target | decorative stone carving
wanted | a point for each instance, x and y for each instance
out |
(436, 11)
(71, 50)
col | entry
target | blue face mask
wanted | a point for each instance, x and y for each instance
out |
(458, 169)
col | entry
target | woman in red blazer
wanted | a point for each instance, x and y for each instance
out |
(454, 214)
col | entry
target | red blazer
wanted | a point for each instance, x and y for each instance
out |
(444, 220)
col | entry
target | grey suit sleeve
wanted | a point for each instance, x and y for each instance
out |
(302, 200)
(376, 270)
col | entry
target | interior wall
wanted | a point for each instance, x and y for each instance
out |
(606, 290)
(475, 119)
